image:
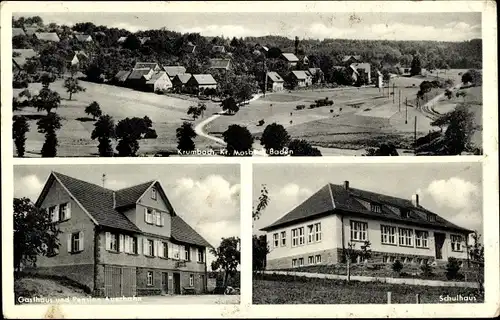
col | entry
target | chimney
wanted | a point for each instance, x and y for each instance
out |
(114, 199)
(346, 185)
(104, 180)
(414, 200)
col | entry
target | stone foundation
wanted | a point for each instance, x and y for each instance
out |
(80, 273)
(327, 257)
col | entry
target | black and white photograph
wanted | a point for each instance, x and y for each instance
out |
(368, 233)
(227, 84)
(154, 234)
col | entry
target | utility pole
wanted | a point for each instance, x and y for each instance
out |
(265, 75)
(399, 110)
(415, 133)
(406, 116)
(103, 180)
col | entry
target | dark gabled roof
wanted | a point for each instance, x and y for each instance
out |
(275, 77)
(23, 55)
(356, 57)
(183, 78)
(137, 74)
(98, 202)
(129, 196)
(144, 65)
(172, 71)
(290, 57)
(183, 232)
(122, 75)
(204, 79)
(157, 76)
(337, 199)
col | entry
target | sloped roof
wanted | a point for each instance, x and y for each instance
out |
(218, 49)
(183, 232)
(129, 196)
(144, 39)
(290, 57)
(332, 199)
(156, 76)
(204, 79)
(24, 55)
(83, 37)
(365, 66)
(183, 78)
(354, 69)
(275, 77)
(300, 74)
(122, 75)
(136, 74)
(98, 202)
(172, 71)
(121, 39)
(18, 32)
(346, 58)
(314, 70)
(143, 65)
(30, 31)
(220, 63)
(47, 36)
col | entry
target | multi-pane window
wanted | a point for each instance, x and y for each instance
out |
(76, 242)
(130, 244)
(301, 262)
(294, 263)
(359, 231)
(405, 237)
(302, 238)
(63, 212)
(276, 240)
(431, 217)
(150, 248)
(54, 216)
(201, 257)
(149, 215)
(153, 193)
(317, 232)
(310, 233)
(283, 238)
(111, 241)
(388, 234)
(310, 260)
(191, 280)
(295, 237)
(158, 218)
(318, 258)
(187, 255)
(314, 232)
(421, 239)
(150, 278)
(165, 249)
(456, 243)
(374, 207)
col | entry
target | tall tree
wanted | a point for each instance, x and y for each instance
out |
(72, 86)
(275, 138)
(49, 126)
(194, 112)
(104, 131)
(46, 100)
(300, 147)
(416, 66)
(239, 140)
(34, 233)
(260, 249)
(185, 135)
(230, 105)
(227, 257)
(19, 128)
(459, 130)
(129, 131)
(94, 110)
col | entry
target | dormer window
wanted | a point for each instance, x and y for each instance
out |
(153, 193)
(431, 218)
(377, 208)
(405, 213)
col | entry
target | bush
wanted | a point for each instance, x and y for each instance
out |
(426, 269)
(397, 266)
(452, 269)
(312, 106)
(300, 107)
(150, 134)
(261, 122)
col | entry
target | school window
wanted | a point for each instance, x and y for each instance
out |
(310, 233)
(64, 212)
(405, 237)
(165, 249)
(359, 231)
(149, 216)
(302, 238)
(187, 255)
(318, 258)
(375, 208)
(275, 240)
(191, 280)
(295, 237)
(310, 260)
(76, 245)
(150, 278)
(421, 239)
(388, 234)
(201, 257)
(150, 248)
(456, 243)
(301, 262)
(153, 194)
(294, 263)
(111, 241)
(283, 238)
(317, 232)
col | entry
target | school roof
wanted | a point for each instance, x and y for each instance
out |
(331, 199)
(220, 64)
(275, 77)
(172, 71)
(23, 55)
(47, 36)
(290, 57)
(18, 32)
(204, 79)
(300, 74)
(99, 203)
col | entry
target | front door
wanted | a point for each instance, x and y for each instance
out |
(164, 282)
(177, 283)
(439, 242)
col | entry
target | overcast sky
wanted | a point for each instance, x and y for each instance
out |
(374, 25)
(452, 190)
(207, 197)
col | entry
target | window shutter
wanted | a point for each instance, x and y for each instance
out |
(139, 247)
(170, 250)
(69, 242)
(108, 240)
(158, 218)
(145, 246)
(127, 244)
(55, 214)
(162, 223)
(146, 214)
(121, 243)
(81, 243)
(68, 210)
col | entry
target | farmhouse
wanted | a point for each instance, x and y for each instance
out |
(172, 71)
(77, 57)
(317, 73)
(274, 81)
(83, 37)
(151, 65)
(404, 71)
(317, 230)
(303, 78)
(21, 56)
(47, 36)
(159, 81)
(18, 32)
(220, 64)
(138, 77)
(121, 77)
(348, 60)
(290, 58)
(363, 68)
(199, 82)
(219, 49)
(179, 82)
(127, 242)
(353, 73)
(189, 48)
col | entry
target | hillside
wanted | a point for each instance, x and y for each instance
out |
(28, 287)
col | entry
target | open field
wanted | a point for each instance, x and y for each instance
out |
(289, 290)
(167, 113)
